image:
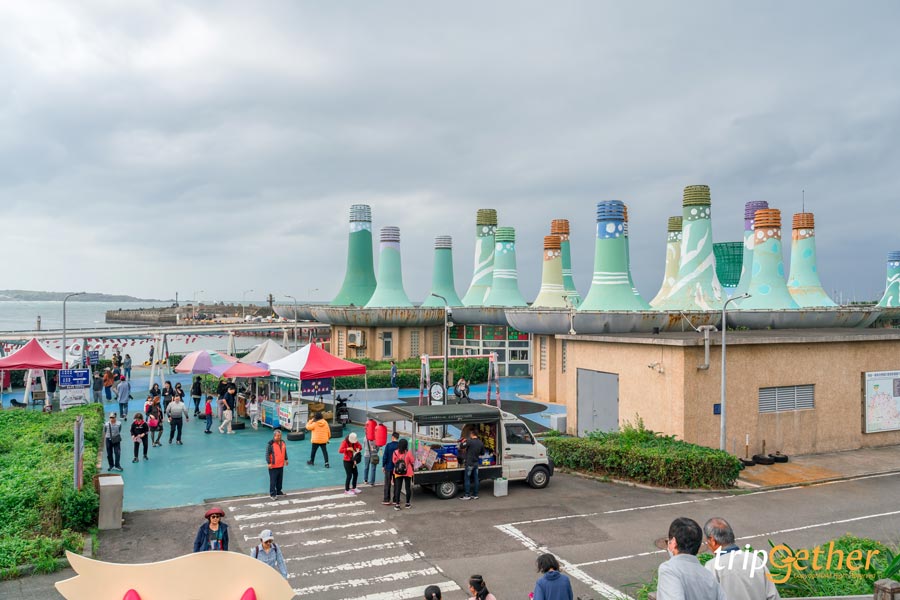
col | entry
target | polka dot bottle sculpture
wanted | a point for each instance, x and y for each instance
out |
(673, 255)
(611, 285)
(442, 282)
(891, 298)
(359, 279)
(552, 293)
(389, 292)
(483, 273)
(697, 286)
(803, 282)
(505, 287)
(750, 209)
(768, 289)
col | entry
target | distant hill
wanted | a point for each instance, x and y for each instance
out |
(32, 296)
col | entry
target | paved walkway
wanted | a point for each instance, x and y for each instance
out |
(816, 468)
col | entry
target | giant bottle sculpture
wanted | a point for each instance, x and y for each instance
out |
(803, 282)
(553, 292)
(483, 273)
(389, 292)
(750, 209)
(768, 289)
(628, 252)
(359, 278)
(697, 286)
(560, 227)
(442, 282)
(611, 288)
(505, 287)
(891, 298)
(673, 255)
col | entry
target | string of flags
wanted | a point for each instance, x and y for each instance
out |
(106, 343)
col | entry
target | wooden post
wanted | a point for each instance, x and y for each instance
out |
(887, 589)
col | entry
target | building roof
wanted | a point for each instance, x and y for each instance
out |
(735, 338)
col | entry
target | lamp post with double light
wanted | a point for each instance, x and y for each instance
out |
(722, 395)
(446, 340)
(65, 357)
(296, 345)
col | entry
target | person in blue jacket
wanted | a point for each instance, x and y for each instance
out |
(387, 466)
(212, 535)
(553, 585)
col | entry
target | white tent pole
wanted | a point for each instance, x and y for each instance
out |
(152, 362)
(366, 380)
(27, 398)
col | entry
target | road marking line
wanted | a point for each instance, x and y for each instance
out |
(604, 589)
(385, 546)
(362, 582)
(375, 562)
(295, 511)
(316, 542)
(325, 527)
(327, 516)
(297, 493)
(287, 501)
(408, 593)
(753, 536)
(375, 533)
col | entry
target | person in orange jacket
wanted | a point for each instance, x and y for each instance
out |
(277, 460)
(320, 431)
(107, 383)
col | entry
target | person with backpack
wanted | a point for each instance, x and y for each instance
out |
(123, 394)
(154, 419)
(387, 466)
(404, 464)
(372, 459)
(268, 552)
(352, 451)
(196, 394)
(276, 460)
(139, 434)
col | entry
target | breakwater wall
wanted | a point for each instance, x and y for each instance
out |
(184, 314)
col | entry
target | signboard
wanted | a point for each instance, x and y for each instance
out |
(436, 393)
(293, 416)
(69, 397)
(315, 387)
(93, 357)
(69, 378)
(882, 401)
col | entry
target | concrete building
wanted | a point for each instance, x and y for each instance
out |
(799, 391)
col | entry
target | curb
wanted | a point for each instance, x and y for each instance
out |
(61, 563)
(752, 487)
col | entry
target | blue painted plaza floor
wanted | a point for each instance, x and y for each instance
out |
(221, 465)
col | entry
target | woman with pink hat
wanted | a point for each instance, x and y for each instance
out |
(212, 535)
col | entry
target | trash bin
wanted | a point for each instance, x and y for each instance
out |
(501, 487)
(112, 491)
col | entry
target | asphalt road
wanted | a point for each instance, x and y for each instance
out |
(604, 534)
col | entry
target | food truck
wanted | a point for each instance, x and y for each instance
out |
(511, 452)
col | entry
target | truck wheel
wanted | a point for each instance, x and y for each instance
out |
(445, 490)
(539, 478)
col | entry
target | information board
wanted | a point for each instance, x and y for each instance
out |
(882, 401)
(69, 378)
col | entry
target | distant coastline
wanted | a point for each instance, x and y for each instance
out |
(33, 296)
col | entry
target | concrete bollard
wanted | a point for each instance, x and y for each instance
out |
(887, 589)
(112, 491)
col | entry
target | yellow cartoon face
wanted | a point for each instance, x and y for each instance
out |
(226, 575)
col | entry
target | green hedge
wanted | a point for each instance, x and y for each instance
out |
(473, 369)
(642, 455)
(42, 514)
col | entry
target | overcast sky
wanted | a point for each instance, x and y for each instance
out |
(152, 147)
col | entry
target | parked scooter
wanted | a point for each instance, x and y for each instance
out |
(342, 412)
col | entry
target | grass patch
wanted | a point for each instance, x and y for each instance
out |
(638, 454)
(43, 515)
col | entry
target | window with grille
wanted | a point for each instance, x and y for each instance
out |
(340, 343)
(387, 344)
(564, 356)
(435, 344)
(785, 398)
(414, 343)
(543, 352)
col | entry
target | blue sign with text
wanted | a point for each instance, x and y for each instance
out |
(74, 378)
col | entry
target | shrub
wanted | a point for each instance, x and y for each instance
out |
(642, 455)
(43, 515)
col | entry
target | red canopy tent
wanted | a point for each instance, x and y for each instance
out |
(312, 362)
(29, 356)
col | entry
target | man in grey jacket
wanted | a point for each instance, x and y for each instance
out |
(742, 577)
(112, 435)
(682, 577)
(123, 393)
(177, 413)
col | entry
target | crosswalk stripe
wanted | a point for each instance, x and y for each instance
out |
(366, 564)
(385, 546)
(362, 581)
(341, 515)
(408, 593)
(294, 511)
(374, 533)
(336, 526)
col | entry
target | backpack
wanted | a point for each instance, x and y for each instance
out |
(400, 465)
(256, 549)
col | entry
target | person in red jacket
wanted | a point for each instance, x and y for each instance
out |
(404, 463)
(208, 412)
(277, 460)
(350, 448)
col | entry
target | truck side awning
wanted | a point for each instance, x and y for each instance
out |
(441, 415)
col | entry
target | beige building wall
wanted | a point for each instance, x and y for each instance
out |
(429, 341)
(659, 381)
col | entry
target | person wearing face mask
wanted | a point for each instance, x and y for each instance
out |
(268, 552)
(682, 576)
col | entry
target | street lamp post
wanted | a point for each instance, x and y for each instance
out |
(243, 298)
(196, 301)
(722, 396)
(65, 357)
(296, 345)
(446, 343)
